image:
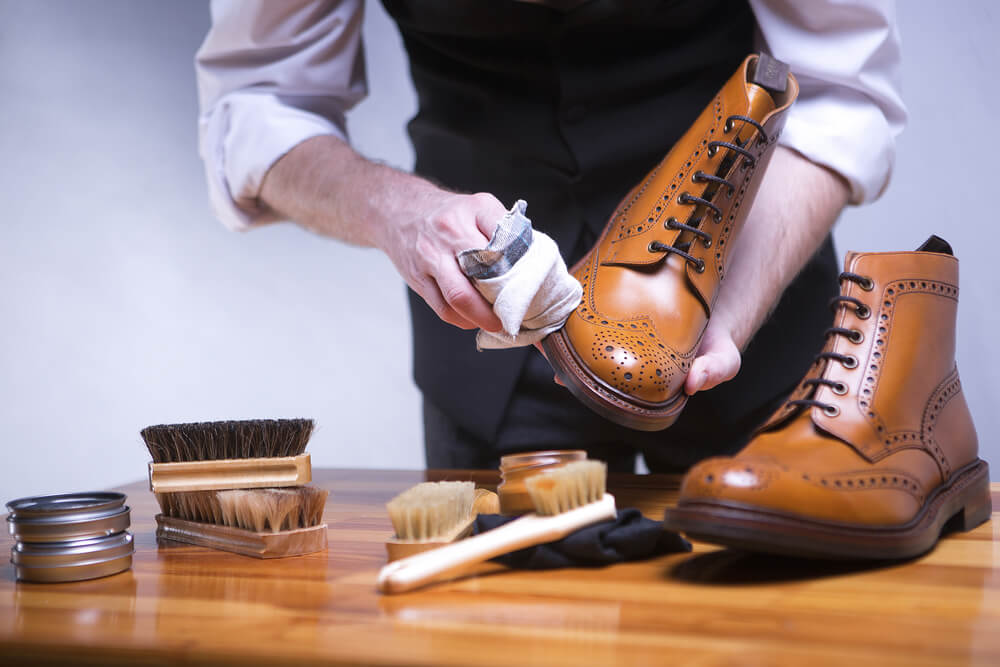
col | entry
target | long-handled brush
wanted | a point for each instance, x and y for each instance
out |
(215, 483)
(565, 500)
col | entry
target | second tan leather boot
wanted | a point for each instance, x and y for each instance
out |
(650, 283)
(875, 451)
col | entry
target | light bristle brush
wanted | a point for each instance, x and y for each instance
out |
(245, 454)
(257, 510)
(565, 499)
(432, 514)
(264, 523)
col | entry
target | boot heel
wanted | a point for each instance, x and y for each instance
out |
(978, 505)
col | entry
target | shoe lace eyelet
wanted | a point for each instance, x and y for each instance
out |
(867, 284)
(652, 247)
(831, 410)
(863, 312)
(857, 336)
(849, 362)
(839, 388)
(670, 222)
(717, 217)
(707, 243)
(712, 150)
(700, 266)
(728, 127)
(682, 198)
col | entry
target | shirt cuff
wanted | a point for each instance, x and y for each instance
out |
(240, 138)
(842, 130)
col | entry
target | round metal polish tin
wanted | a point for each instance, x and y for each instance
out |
(70, 537)
(75, 560)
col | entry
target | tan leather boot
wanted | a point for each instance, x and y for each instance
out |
(875, 451)
(651, 281)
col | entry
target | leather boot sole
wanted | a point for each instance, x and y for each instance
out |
(962, 503)
(604, 399)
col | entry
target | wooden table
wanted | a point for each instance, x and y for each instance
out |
(184, 604)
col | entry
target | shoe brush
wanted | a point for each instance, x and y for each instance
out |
(432, 514)
(228, 455)
(565, 500)
(236, 486)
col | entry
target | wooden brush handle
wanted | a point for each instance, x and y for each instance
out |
(447, 561)
(226, 538)
(230, 474)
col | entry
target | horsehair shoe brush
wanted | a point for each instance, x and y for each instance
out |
(228, 455)
(209, 479)
(566, 499)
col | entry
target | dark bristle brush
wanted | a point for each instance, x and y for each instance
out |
(228, 455)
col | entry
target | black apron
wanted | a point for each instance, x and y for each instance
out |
(568, 109)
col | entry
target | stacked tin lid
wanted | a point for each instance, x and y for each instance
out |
(70, 537)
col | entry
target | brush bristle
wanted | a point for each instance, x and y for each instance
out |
(257, 510)
(212, 441)
(430, 510)
(567, 487)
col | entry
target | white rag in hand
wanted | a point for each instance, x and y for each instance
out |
(525, 278)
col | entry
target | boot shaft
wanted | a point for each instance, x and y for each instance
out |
(889, 378)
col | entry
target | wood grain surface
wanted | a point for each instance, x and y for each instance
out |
(191, 605)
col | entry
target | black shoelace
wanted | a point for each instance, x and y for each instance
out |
(847, 360)
(715, 183)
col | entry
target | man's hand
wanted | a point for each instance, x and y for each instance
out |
(326, 187)
(423, 245)
(796, 207)
(718, 359)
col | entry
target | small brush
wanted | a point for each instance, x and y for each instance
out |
(432, 514)
(228, 455)
(565, 500)
(265, 523)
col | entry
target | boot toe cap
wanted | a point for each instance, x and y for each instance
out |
(626, 356)
(770, 486)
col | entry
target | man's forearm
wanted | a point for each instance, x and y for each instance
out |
(325, 186)
(797, 205)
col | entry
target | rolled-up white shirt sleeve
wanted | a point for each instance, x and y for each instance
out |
(271, 75)
(846, 57)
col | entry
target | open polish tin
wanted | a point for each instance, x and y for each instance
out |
(70, 537)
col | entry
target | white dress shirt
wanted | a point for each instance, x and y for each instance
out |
(273, 74)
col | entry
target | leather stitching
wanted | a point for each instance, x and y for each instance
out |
(879, 351)
(669, 192)
(942, 395)
(867, 480)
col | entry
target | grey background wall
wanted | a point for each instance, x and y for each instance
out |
(124, 303)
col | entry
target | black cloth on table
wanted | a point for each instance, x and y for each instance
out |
(630, 536)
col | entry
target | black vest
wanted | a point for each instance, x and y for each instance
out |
(568, 110)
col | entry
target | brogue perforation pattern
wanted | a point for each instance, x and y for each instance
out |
(637, 364)
(723, 236)
(656, 216)
(946, 391)
(625, 341)
(869, 480)
(879, 348)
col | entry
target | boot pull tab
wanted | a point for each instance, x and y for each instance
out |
(769, 73)
(936, 244)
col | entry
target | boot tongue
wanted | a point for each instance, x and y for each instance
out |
(761, 102)
(849, 258)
